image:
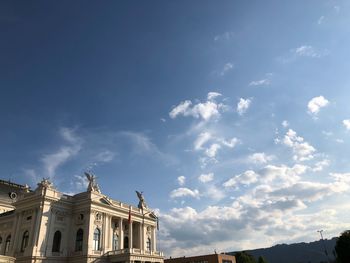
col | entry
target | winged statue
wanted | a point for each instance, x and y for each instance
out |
(142, 202)
(93, 186)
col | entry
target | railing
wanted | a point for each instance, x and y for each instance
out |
(6, 259)
(134, 251)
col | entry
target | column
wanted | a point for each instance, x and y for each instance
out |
(153, 244)
(14, 234)
(121, 234)
(141, 236)
(130, 235)
(33, 227)
(89, 233)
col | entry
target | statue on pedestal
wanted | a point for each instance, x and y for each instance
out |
(93, 186)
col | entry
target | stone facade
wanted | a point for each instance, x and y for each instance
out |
(46, 225)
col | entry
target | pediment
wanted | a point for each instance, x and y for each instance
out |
(105, 201)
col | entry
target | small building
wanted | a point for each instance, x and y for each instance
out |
(212, 258)
(46, 225)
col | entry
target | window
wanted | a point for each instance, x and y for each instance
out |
(79, 240)
(115, 242)
(0, 244)
(148, 244)
(126, 242)
(7, 244)
(97, 238)
(98, 216)
(56, 244)
(25, 239)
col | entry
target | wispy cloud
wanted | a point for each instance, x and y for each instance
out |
(226, 68)
(71, 148)
(320, 20)
(307, 51)
(261, 82)
(224, 37)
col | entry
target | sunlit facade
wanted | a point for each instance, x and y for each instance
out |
(45, 225)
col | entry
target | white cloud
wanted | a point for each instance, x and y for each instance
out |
(205, 178)
(274, 206)
(214, 193)
(212, 150)
(182, 109)
(229, 143)
(243, 105)
(203, 138)
(346, 124)
(203, 110)
(285, 123)
(302, 150)
(184, 192)
(181, 180)
(260, 158)
(262, 82)
(316, 103)
(319, 166)
(246, 178)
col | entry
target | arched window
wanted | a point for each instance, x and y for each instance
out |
(148, 244)
(79, 240)
(56, 244)
(25, 239)
(7, 244)
(126, 242)
(115, 242)
(97, 239)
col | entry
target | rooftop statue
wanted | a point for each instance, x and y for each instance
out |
(45, 182)
(93, 186)
(142, 202)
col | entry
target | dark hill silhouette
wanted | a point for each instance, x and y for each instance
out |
(312, 252)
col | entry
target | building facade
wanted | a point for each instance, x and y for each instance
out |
(46, 225)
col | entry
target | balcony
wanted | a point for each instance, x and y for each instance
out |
(134, 254)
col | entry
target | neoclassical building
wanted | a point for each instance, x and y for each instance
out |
(46, 225)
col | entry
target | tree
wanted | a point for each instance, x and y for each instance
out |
(244, 257)
(342, 247)
(262, 260)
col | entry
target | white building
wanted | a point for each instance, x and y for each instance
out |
(45, 225)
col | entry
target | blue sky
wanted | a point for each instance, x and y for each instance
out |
(231, 116)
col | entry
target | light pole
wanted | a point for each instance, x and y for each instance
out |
(324, 245)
